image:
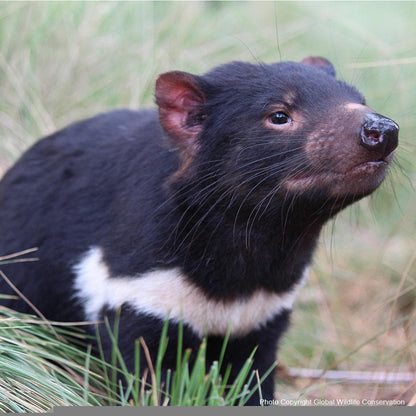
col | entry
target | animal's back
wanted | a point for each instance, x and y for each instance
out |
(68, 190)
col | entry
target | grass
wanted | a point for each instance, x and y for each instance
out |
(63, 62)
(39, 369)
(44, 364)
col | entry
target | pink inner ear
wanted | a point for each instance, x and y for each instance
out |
(179, 97)
(320, 62)
(316, 61)
(189, 100)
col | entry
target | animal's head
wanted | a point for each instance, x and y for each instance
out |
(259, 136)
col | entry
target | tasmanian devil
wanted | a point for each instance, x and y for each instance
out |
(206, 212)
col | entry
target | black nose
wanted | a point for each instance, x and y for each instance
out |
(379, 134)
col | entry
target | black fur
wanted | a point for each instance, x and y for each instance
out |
(206, 192)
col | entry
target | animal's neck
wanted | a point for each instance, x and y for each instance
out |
(229, 257)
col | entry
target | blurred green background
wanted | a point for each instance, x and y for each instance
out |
(60, 62)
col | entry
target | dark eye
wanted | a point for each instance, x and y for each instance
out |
(279, 118)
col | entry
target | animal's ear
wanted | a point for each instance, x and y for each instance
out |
(321, 63)
(180, 101)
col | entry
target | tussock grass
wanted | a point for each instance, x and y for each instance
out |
(63, 61)
(45, 364)
(39, 369)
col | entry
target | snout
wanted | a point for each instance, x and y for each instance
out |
(350, 155)
(379, 134)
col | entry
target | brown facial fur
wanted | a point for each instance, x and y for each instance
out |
(337, 161)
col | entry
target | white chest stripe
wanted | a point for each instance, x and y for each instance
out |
(166, 292)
